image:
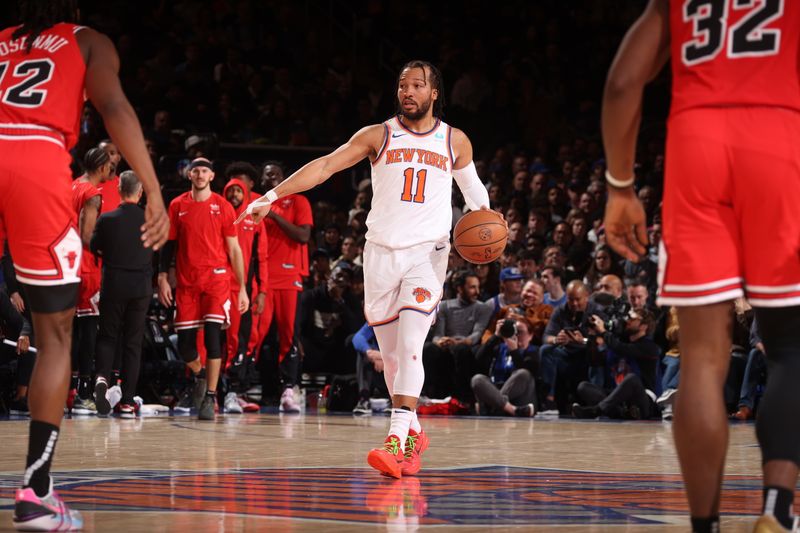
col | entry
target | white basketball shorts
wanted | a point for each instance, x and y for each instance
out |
(404, 279)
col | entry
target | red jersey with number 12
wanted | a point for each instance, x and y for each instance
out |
(735, 53)
(44, 87)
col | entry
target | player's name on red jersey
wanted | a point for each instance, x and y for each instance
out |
(200, 229)
(735, 53)
(42, 89)
(47, 43)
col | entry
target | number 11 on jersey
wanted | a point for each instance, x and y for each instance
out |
(408, 185)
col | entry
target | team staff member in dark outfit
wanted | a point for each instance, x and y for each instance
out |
(126, 290)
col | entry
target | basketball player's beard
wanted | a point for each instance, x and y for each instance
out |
(422, 110)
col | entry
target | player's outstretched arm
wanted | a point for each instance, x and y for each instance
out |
(104, 90)
(642, 54)
(475, 194)
(365, 143)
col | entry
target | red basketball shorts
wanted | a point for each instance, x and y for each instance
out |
(208, 301)
(36, 213)
(731, 212)
(89, 294)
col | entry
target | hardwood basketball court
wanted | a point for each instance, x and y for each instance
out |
(259, 472)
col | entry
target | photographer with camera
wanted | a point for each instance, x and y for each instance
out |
(613, 309)
(505, 385)
(565, 355)
(633, 358)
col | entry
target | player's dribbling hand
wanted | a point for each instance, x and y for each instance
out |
(626, 224)
(486, 208)
(244, 301)
(156, 223)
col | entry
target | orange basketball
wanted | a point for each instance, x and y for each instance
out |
(480, 236)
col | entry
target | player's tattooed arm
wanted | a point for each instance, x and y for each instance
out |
(88, 219)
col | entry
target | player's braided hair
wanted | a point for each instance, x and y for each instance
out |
(38, 15)
(435, 80)
(94, 159)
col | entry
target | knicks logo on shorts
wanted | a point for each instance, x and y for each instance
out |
(421, 294)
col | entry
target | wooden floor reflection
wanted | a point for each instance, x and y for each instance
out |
(308, 473)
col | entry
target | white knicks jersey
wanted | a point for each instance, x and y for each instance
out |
(412, 184)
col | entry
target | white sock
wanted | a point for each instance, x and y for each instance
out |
(415, 423)
(401, 420)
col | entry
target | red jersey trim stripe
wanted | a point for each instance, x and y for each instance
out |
(712, 298)
(30, 132)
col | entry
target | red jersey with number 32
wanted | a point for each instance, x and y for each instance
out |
(43, 87)
(200, 228)
(735, 53)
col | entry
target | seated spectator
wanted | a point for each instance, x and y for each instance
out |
(510, 289)
(532, 307)
(526, 263)
(14, 327)
(562, 236)
(754, 374)
(634, 358)
(672, 365)
(320, 269)
(565, 356)
(505, 383)
(638, 295)
(331, 240)
(350, 253)
(369, 367)
(328, 314)
(605, 262)
(449, 359)
(552, 278)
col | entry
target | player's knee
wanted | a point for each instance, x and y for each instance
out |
(213, 336)
(187, 344)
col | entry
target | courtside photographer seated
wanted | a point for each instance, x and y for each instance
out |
(505, 386)
(632, 357)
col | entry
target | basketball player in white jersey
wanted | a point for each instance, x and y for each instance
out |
(415, 157)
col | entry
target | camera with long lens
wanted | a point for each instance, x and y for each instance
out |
(508, 328)
(615, 312)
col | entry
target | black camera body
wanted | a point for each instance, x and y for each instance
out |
(615, 316)
(508, 328)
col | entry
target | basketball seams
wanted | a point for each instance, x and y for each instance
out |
(456, 236)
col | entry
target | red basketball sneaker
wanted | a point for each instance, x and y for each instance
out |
(416, 443)
(387, 459)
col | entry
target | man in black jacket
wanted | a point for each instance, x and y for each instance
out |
(125, 293)
(635, 365)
